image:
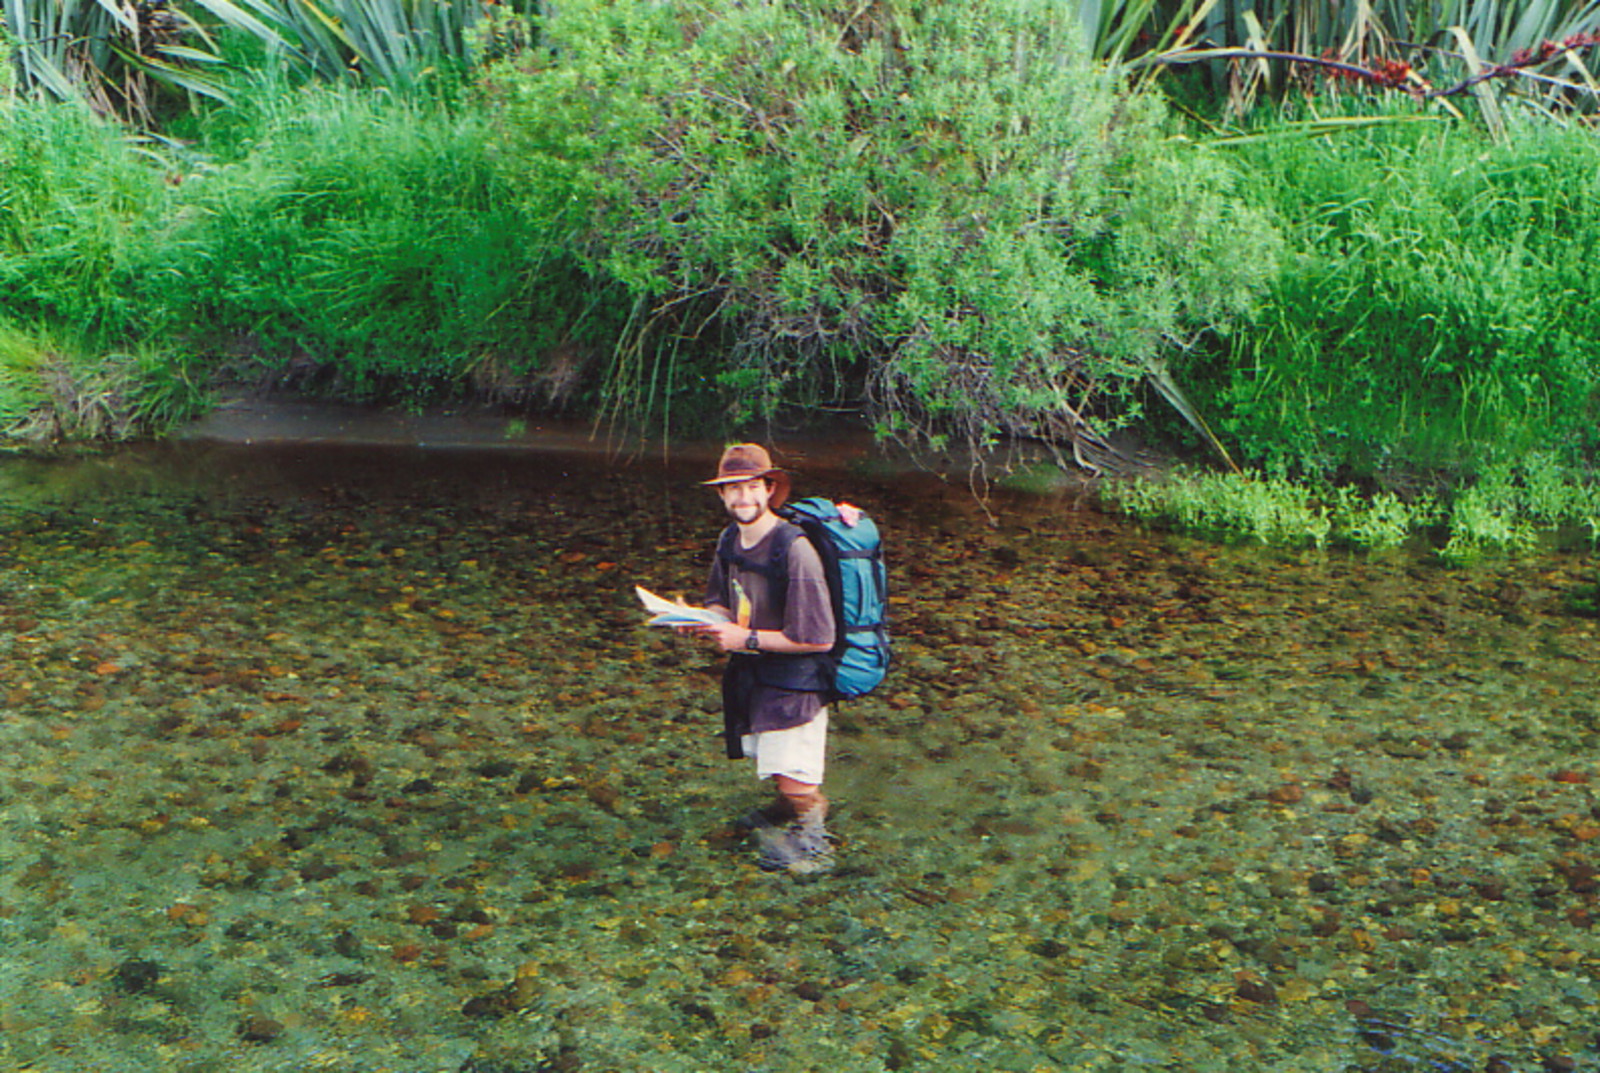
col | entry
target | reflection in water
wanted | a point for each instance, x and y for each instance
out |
(362, 760)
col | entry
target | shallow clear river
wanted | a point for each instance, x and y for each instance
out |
(363, 760)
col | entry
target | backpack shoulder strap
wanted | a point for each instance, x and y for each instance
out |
(776, 566)
(727, 544)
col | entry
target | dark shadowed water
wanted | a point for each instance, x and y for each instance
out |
(360, 759)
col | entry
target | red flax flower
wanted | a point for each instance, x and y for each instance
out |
(1390, 72)
(1330, 56)
(1528, 57)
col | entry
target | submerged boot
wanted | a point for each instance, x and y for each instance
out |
(802, 848)
(777, 814)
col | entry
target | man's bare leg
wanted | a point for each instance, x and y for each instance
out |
(802, 798)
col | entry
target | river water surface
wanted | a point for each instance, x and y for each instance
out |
(361, 759)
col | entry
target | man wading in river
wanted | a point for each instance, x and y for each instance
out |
(768, 580)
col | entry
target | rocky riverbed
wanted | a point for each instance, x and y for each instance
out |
(362, 759)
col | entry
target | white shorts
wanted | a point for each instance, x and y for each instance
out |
(796, 752)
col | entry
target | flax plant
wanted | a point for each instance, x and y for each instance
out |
(1442, 51)
(397, 43)
(118, 54)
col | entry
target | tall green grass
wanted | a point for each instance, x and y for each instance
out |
(82, 205)
(1438, 304)
(76, 206)
(370, 239)
(54, 388)
(333, 237)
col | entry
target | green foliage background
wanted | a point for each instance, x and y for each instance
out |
(953, 219)
(76, 206)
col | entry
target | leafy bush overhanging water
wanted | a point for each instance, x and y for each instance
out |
(951, 204)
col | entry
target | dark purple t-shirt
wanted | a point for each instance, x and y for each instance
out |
(803, 612)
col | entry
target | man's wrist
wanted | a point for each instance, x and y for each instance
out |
(752, 643)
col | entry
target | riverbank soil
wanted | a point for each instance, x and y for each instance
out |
(362, 758)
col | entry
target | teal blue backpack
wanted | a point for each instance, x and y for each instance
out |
(858, 582)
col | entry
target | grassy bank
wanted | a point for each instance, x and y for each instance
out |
(1423, 366)
(654, 254)
(1437, 304)
(325, 238)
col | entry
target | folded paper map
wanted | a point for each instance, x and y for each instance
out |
(676, 612)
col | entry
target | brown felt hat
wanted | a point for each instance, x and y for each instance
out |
(747, 461)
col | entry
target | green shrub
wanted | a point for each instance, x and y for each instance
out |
(948, 204)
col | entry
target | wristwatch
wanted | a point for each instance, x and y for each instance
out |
(753, 643)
